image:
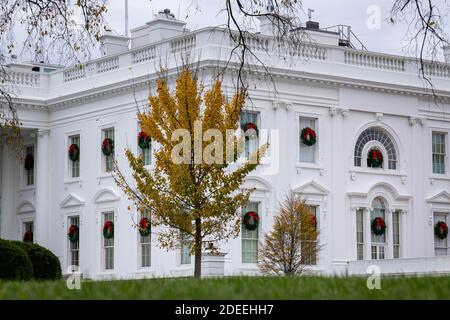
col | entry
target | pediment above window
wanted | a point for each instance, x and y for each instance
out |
(25, 207)
(312, 188)
(441, 197)
(71, 201)
(106, 195)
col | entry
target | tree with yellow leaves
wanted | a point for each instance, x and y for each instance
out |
(194, 191)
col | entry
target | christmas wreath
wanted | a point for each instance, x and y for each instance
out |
(107, 146)
(378, 226)
(251, 220)
(375, 158)
(312, 220)
(29, 162)
(28, 236)
(143, 140)
(308, 136)
(250, 126)
(144, 227)
(441, 230)
(74, 152)
(73, 233)
(108, 229)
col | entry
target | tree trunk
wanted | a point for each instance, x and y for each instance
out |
(198, 249)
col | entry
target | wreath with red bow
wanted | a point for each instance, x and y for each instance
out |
(144, 227)
(308, 136)
(28, 236)
(378, 226)
(74, 152)
(108, 229)
(107, 146)
(143, 140)
(29, 162)
(251, 220)
(312, 220)
(441, 230)
(252, 127)
(73, 233)
(375, 158)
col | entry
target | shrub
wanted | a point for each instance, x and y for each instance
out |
(14, 262)
(46, 265)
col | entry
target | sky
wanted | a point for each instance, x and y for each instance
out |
(385, 38)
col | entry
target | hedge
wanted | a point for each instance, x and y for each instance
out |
(15, 264)
(46, 265)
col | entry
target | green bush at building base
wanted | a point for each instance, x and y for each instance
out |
(14, 262)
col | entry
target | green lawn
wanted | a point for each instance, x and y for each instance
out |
(305, 287)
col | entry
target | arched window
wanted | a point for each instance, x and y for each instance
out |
(378, 247)
(375, 134)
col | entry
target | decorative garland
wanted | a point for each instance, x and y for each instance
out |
(144, 227)
(308, 136)
(143, 140)
(375, 158)
(251, 126)
(107, 146)
(251, 220)
(74, 152)
(441, 230)
(108, 229)
(73, 233)
(28, 236)
(378, 226)
(29, 162)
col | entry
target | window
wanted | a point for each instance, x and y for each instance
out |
(360, 235)
(251, 141)
(74, 246)
(309, 246)
(307, 153)
(145, 244)
(185, 249)
(396, 234)
(375, 134)
(438, 152)
(146, 153)
(250, 237)
(74, 166)
(28, 231)
(378, 241)
(441, 246)
(108, 160)
(29, 174)
(108, 244)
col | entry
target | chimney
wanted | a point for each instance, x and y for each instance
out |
(312, 25)
(447, 53)
(113, 44)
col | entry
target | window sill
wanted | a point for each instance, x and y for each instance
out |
(378, 171)
(306, 165)
(27, 188)
(72, 180)
(105, 175)
(440, 177)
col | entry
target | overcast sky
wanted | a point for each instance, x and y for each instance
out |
(202, 13)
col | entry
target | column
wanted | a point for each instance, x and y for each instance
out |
(390, 235)
(367, 235)
(42, 188)
(8, 188)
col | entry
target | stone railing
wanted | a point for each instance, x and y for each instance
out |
(107, 64)
(373, 60)
(437, 69)
(20, 78)
(183, 44)
(142, 55)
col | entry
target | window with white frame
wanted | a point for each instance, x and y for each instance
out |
(381, 136)
(108, 159)
(360, 234)
(74, 245)
(74, 164)
(146, 151)
(247, 119)
(107, 243)
(441, 246)
(308, 245)
(29, 172)
(185, 250)
(145, 244)
(250, 238)
(28, 231)
(396, 234)
(307, 152)
(378, 247)
(439, 154)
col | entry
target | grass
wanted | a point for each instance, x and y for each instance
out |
(305, 287)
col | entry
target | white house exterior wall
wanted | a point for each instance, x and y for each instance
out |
(346, 96)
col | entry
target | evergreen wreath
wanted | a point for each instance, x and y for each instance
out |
(143, 140)
(250, 126)
(308, 136)
(144, 227)
(29, 162)
(441, 230)
(378, 226)
(108, 229)
(375, 158)
(73, 233)
(108, 146)
(251, 220)
(74, 152)
(28, 236)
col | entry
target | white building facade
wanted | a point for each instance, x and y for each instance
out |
(356, 102)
